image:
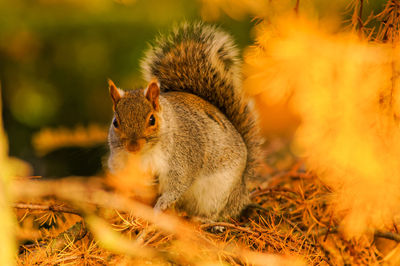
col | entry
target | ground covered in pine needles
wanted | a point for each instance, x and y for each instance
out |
(290, 222)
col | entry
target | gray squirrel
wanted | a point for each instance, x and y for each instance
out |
(191, 126)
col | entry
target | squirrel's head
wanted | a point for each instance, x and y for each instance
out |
(136, 121)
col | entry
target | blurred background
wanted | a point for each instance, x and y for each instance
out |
(56, 56)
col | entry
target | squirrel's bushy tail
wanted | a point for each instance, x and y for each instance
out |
(203, 60)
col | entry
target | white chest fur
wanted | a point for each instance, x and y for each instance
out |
(155, 161)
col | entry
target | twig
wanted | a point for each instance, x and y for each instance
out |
(28, 247)
(74, 233)
(264, 191)
(42, 207)
(393, 63)
(329, 227)
(377, 233)
(69, 258)
(387, 235)
(325, 231)
(296, 8)
(360, 22)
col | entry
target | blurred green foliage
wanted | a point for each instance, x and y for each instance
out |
(56, 56)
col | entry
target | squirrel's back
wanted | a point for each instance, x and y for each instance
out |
(203, 60)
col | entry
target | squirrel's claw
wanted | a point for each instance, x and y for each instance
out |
(163, 203)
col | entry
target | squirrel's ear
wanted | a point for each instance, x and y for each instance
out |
(115, 93)
(152, 92)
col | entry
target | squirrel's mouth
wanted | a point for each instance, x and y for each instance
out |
(135, 145)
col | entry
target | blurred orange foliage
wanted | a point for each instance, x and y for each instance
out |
(133, 182)
(48, 139)
(344, 90)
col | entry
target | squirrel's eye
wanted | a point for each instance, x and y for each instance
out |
(152, 120)
(115, 123)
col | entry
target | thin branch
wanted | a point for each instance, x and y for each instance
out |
(388, 235)
(42, 207)
(377, 233)
(357, 23)
(389, 32)
(74, 233)
(360, 22)
(296, 8)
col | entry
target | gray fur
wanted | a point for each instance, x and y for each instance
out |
(206, 144)
(203, 60)
(205, 152)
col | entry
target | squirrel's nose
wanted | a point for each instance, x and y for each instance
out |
(134, 145)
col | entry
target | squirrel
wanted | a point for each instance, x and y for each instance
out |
(192, 126)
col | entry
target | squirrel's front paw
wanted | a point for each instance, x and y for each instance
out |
(163, 203)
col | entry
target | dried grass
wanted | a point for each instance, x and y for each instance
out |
(291, 224)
